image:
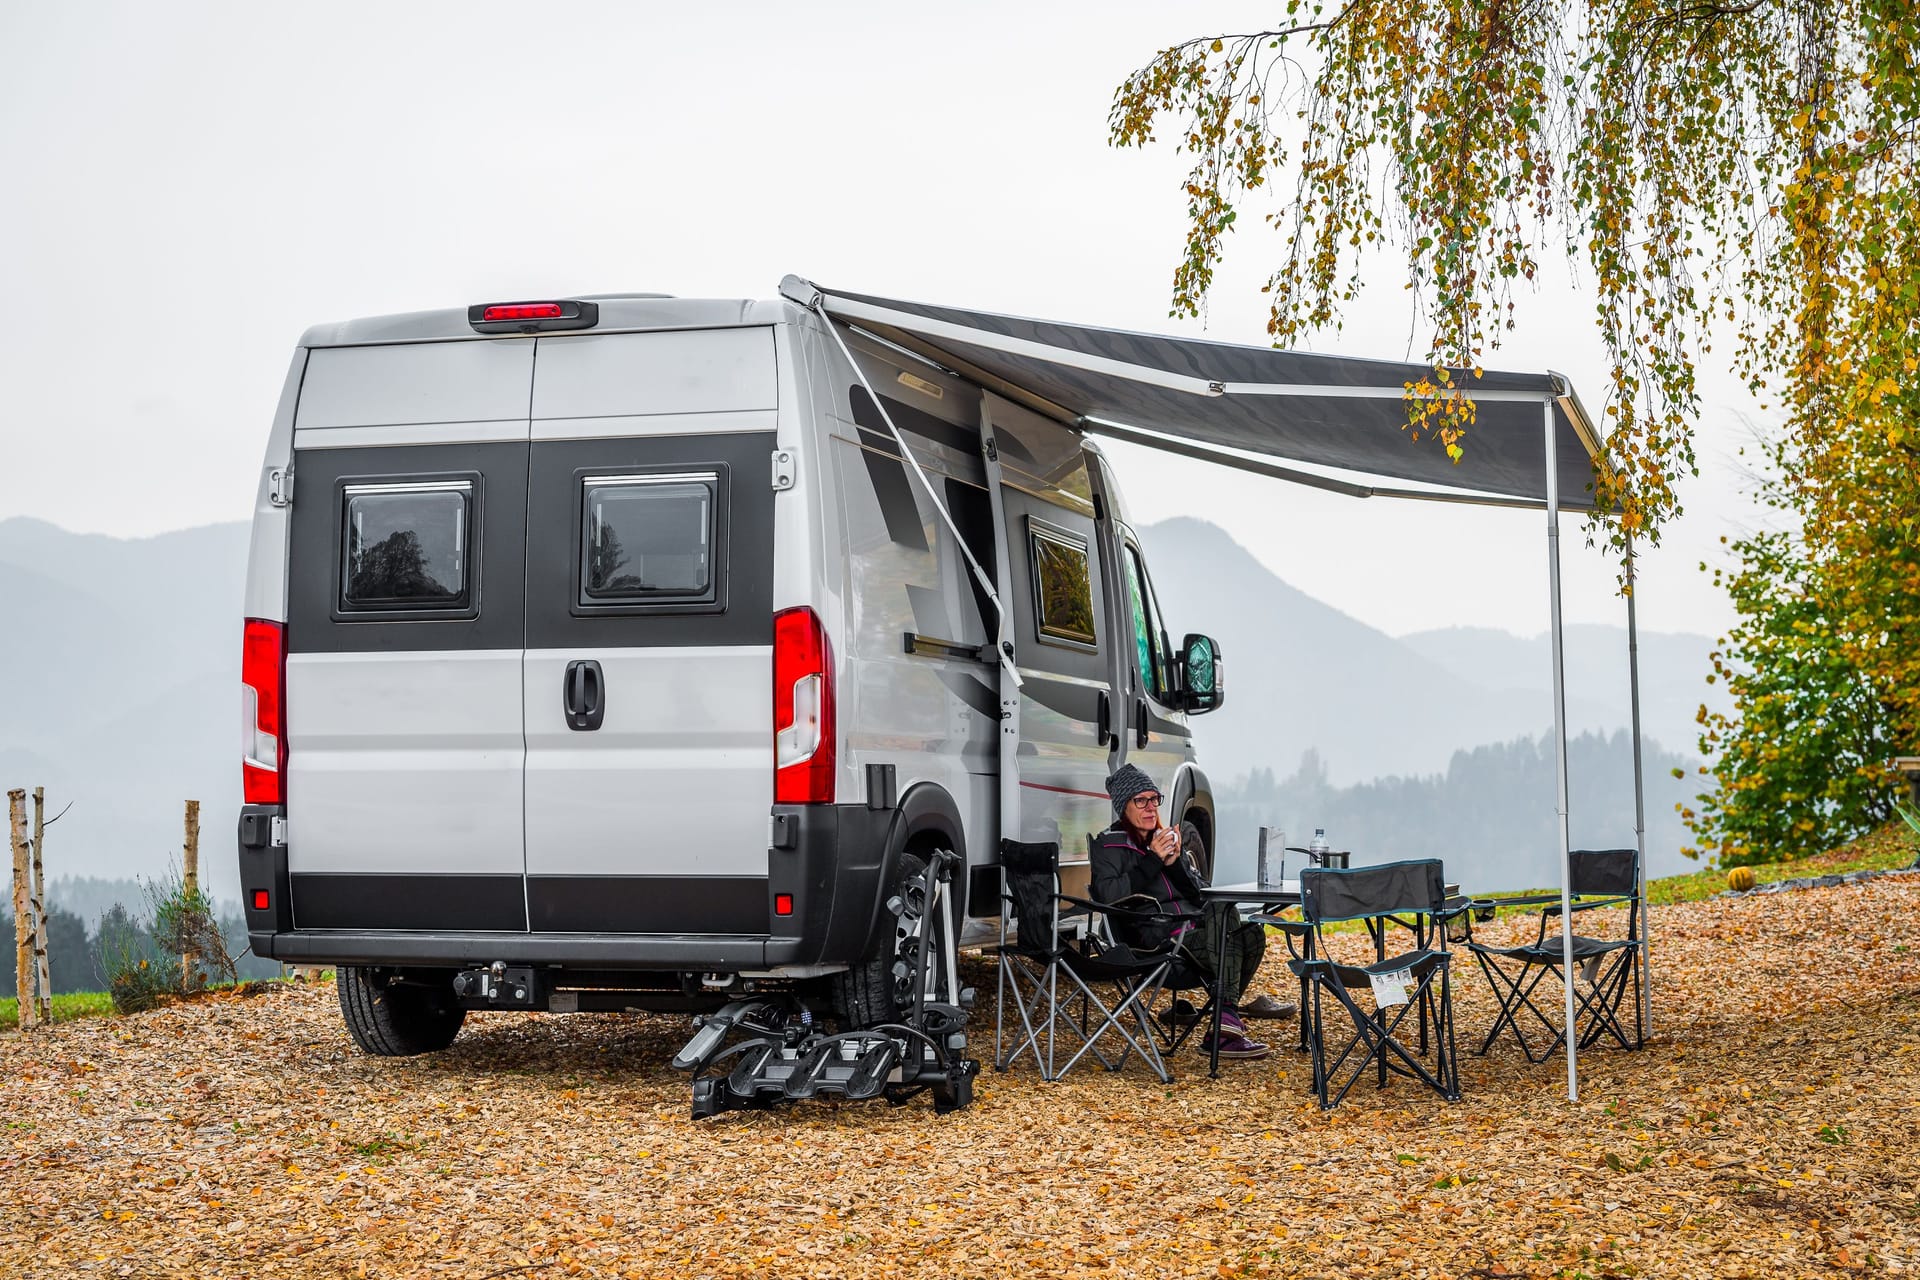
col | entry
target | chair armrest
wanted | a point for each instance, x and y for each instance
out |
(1124, 912)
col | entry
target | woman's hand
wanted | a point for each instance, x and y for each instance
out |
(1166, 845)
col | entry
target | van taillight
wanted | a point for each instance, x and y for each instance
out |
(263, 728)
(803, 745)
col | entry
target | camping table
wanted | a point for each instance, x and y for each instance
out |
(1240, 895)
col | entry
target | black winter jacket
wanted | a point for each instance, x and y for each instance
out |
(1120, 868)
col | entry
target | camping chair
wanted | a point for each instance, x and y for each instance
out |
(1395, 987)
(1058, 966)
(1608, 967)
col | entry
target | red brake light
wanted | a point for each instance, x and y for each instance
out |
(263, 729)
(521, 311)
(260, 900)
(533, 317)
(803, 728)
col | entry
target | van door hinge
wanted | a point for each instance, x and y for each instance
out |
(783, 469)
(280, 487)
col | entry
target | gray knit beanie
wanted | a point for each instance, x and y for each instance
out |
(1126, 782)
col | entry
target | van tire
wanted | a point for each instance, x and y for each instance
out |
(864, 995)
(391, 1019)
(1191, 839)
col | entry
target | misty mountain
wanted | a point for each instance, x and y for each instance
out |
(122, 666)
(1302, 675)
(1490, 816)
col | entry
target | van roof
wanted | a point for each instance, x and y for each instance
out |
(618, 312)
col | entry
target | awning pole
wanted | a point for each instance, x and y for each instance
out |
(1560, 755)
(1639, 799)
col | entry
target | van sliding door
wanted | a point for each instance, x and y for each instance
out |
(1062, 635)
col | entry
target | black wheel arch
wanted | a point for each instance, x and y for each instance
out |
(927, 818)
(1193, 801)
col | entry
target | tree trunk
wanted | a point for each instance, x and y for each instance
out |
(190, 880)
(43, 1009)
(22, 909)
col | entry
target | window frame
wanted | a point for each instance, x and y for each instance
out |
(469, 486)
(1039, 530)
(717, 477)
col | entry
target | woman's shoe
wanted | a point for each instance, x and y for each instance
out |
(1235, 1045)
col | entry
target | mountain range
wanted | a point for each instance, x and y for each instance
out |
(119, 678)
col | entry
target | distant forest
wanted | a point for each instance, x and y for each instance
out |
(92, 924)
(1491, 815)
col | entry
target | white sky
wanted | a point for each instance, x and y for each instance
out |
(191, 185)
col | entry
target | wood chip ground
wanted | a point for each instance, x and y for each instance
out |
(1771, 1129)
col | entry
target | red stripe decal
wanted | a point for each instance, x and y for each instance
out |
(1068, 791)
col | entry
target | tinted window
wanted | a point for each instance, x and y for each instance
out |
(407, 546)
(1146, 623)
(1064, 607)
(648, 538)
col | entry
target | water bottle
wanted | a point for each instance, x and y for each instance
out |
(1318, 849)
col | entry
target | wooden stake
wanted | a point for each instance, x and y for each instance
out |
(43, 1009)
(190, 876)
(22, 909)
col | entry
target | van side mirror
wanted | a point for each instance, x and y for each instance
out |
(1202, 680)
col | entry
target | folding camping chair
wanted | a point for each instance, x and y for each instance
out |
(1608, 967)
(1057, 965)
(1398, 987)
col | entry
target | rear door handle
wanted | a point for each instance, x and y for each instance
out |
(1140, 722)
(1106, 718)
(584, 695)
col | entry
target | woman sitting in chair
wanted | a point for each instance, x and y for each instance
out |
(1137, 855)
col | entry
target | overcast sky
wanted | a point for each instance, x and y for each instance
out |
(191, 185)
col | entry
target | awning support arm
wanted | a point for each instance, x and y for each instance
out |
(926, 485)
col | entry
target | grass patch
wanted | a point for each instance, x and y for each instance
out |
(1888, 849)
(67, 1007)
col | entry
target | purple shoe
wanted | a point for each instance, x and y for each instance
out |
(1235, 1045)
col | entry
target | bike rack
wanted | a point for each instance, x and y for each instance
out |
(782, 1058)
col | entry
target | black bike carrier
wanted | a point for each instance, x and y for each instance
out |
(780, 1057)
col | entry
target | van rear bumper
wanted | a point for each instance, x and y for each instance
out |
(825, 863)
(687, 952)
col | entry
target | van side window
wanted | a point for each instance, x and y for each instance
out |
(407, 546)
(648, 538)
(1146, 624)
(1063, 588)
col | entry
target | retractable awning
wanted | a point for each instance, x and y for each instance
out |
(1531, 444)
(1201, 398)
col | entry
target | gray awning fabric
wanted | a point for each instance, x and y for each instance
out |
(1333, 411)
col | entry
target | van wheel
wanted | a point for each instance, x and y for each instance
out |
(391, 1019)
(1190, 838)
(870, 992)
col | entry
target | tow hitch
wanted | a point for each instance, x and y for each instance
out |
(757, 1053)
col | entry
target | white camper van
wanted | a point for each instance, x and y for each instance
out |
(639, 652)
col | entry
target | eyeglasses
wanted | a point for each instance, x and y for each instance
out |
(1145, 801)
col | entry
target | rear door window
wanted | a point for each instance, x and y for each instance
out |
(407, 547)
(648, 539)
